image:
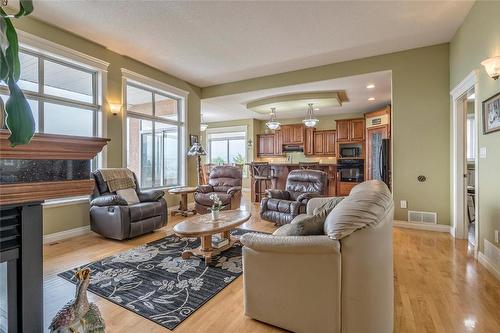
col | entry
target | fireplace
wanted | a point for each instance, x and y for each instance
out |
(51, 166)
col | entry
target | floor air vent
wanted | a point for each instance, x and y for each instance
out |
(425, 217)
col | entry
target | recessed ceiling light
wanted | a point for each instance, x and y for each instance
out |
(316, 109)
(471, 97)
(370, 86)
(371, 98)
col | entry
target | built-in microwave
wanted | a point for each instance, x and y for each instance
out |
(350, 152)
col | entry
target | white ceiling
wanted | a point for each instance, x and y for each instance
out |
(208, 43)
(233, 107)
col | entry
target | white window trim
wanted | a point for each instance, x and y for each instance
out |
(128, 75)
(49, 48)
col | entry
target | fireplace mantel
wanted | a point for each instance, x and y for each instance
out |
(50, 166)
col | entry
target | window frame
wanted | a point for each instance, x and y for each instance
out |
(228, 130)
(157, 88)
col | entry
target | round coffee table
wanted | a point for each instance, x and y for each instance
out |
(203, 227)
(183, 205)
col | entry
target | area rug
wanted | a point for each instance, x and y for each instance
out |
(155, 282)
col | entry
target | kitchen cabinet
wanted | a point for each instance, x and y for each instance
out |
(324, 143)
(293, 134)
(349, 130)
(344, 188)
(278, 143)
(309, 141)
(265, 145)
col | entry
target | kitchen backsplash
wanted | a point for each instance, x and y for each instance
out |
(297, 157)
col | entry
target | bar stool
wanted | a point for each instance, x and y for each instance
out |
(308, 165)
(262, 178)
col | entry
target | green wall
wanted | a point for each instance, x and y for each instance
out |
(62, 218)
(420, 103)
(477, 39)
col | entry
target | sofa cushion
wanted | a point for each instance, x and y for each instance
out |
(307, 225)
(129, 195)
(144, 210)
(366, 206)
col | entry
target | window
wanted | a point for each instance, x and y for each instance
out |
(471, 137)
(226, 147)
(154, 128)
(62, 95)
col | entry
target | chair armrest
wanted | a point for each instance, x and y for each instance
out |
(108, 200)
(290, 244)
(234, 189)
(150, 195)
(278, 194)
(204, 189)
(305, 197)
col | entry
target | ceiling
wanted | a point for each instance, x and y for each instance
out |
(209, 43)
(232, 107)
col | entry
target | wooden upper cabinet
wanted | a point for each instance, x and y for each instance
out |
(265, 144)
(330, 142)
(309, 141)
(319, 143)
(357, 130)
(278, 143)
(293, 134)
(350, 130)
(343, 130)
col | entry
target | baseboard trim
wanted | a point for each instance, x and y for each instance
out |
(422, 226)
(483, 260)
(62, 235)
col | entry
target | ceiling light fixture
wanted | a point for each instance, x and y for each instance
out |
(273, 123)
(370, 86)
(371, 99)
(310, 121)
(492, 67)
(203, 124)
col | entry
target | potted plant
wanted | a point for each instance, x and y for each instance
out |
(216, 206)
(18, 116)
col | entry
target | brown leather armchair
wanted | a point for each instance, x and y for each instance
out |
(281, 207)
(112, 217)
(225, 181)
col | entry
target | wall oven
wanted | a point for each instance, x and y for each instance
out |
(351, 171)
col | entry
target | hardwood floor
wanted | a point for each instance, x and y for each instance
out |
(439, 287)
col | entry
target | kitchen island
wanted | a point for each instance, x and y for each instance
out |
(280, 173)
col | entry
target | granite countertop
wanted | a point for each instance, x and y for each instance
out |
(297, 164)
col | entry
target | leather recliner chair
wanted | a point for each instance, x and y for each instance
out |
(281, 207)
(225, 181)
(112, 217)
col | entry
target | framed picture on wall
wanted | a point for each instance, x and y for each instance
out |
(193, 139)
(491, 114)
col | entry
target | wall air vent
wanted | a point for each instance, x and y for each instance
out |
(425, 217)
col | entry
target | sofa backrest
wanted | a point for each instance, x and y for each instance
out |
(101, 187)
(306, 181)
(223, 177)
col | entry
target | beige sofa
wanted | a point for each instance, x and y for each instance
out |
(319, 284)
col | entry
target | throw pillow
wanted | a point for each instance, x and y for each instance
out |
(307, 225)
(129, 195)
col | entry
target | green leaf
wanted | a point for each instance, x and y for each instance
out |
(20, 119)
(12, 52)
(26, 7)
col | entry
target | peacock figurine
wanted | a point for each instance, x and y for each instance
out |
(79, 316)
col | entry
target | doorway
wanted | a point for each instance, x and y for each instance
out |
(465, 112)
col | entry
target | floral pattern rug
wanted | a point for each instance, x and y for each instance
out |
(155, 282)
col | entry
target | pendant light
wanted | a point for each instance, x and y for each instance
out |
(310, 121)
(203, 124)
(273, 124)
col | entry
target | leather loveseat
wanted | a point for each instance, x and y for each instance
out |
(281, 207)
(225, 181)
(340, 281)
(112, 217)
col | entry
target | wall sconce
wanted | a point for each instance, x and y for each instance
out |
(492, 67)
(115, 108)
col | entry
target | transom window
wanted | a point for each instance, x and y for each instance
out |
(63, 95)
(155, 130)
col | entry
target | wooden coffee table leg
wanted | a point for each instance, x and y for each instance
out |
(206, 248)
